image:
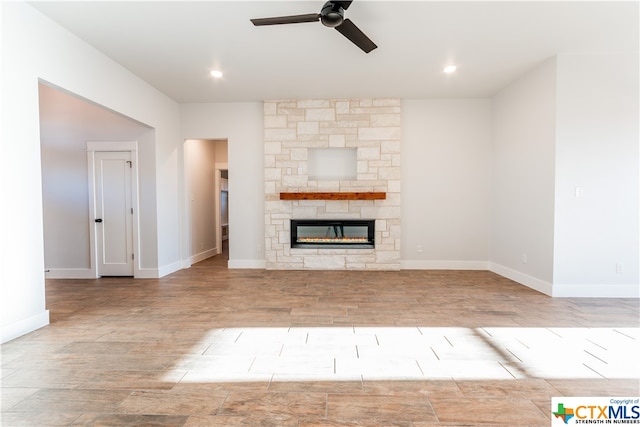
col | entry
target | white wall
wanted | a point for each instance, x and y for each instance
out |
(597, 152)
(33, 47)
(445, 183)
(148, 199)
(523, 164)
(241, 125)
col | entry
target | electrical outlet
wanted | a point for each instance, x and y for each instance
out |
(419, 249)
(619, 268)
(524, 258)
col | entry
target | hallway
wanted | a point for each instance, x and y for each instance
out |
(208, 346)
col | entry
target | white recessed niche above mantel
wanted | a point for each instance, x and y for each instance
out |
(332, 164)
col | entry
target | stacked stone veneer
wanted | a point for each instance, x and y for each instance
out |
(372, 126)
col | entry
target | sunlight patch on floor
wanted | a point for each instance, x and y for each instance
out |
(250, 354)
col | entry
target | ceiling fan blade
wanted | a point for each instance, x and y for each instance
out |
(353, 33)
(292, 19)
(343, 4)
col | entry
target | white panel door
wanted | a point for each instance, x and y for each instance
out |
(114, 213)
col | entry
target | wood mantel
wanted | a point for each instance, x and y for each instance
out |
(334, 196)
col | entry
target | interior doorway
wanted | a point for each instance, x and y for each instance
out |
(206, 186)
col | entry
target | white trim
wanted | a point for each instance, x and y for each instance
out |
(92, 212)
(69, 273)
(24, 326)
(522, 278)
(135, 204)
(443, 265)
(132, 148)
(169, 268)
(247, 263)
(219, 167)
(112, 145)
(203, 255)
(596, 291)
(148, 273)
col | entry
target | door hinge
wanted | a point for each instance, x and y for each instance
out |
(131, 211)
(131, 256)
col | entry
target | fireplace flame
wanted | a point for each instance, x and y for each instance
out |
(332, 240)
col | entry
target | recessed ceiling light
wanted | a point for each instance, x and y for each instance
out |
(450, 69)
(216, 73)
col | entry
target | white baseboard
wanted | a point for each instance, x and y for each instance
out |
(203, 255)
(596, 291)
(443, 265)
(69, 273)
(169, 268)
(147, 273)
(247, 263)
(85, 273)
(22, 327)
(522, 278)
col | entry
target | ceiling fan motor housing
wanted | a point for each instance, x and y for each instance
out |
(332, 14)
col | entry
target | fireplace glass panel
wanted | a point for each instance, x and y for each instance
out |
(332, 233)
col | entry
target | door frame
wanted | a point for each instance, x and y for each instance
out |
(219, 167)
(106, 146)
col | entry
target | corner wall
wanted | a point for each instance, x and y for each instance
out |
(565, 184)
(522, 179)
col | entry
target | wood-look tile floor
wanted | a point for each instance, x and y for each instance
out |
(208, 346)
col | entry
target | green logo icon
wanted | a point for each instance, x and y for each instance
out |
(565, 413)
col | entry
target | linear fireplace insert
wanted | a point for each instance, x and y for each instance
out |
(333, 233)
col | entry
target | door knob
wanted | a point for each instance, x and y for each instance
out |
(98, 219)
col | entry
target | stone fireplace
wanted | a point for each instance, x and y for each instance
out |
(369, 132)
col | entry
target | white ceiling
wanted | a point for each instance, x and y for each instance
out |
(173, 45)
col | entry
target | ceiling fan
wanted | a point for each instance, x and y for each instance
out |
(331, 15)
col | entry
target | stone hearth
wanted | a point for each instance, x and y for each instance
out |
(372, 126)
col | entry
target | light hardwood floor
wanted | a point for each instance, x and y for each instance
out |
(209, 346)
